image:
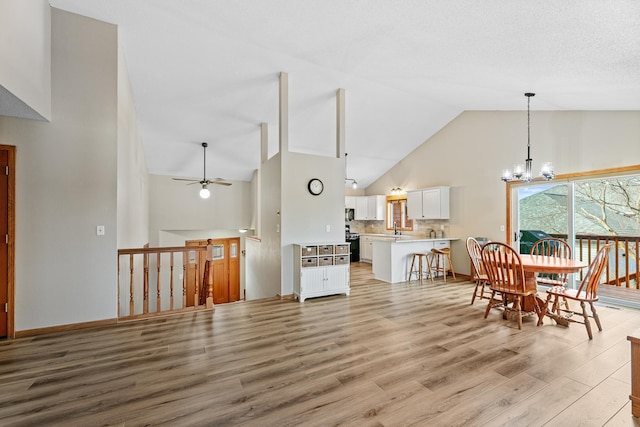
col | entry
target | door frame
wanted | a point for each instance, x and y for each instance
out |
(201, 257)
(11, 232)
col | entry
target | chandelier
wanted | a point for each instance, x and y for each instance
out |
(354, 183)
(521, 173)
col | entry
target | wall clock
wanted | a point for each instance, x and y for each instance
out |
(315, 186)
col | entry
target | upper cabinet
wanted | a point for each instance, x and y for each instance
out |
(428, 203)
(367, 207)
(350, 202)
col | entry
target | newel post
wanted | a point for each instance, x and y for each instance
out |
(635, 374)
(209, 271)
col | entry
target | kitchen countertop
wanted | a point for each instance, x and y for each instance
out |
(408, 238)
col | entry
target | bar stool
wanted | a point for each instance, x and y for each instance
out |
(421, 270)
(441, 261)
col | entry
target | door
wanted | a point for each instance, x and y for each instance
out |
(541, 210)
(225, 270)
(4, 242)
(195, 271)
(234, 269)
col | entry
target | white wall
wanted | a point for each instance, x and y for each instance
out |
(133, 199)
(305, 217)
(174, 205)
(25, 55)
(263, 266)
(470, 152)
(66, 183)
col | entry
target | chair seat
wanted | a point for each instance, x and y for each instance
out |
(502, 290)
(481, 277)
(572, 294)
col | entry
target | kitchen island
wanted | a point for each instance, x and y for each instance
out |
(392, 257)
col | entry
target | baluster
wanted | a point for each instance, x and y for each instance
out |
(626, 262)
(210, 275)
(171, 281)
(637, 263)
(145, 281)
(158, 301)
(131, 281)
(185, 262)
(196, 297)
(118, 290)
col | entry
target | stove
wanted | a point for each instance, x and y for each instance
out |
(354, 241)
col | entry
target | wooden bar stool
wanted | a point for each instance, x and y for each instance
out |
(441, 261)
(420, 272)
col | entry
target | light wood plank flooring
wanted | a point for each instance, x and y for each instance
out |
(388, 355)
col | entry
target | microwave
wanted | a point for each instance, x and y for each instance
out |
(349, 214)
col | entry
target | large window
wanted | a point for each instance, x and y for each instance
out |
(587, 210)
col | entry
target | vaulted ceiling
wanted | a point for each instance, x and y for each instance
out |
(204, 70)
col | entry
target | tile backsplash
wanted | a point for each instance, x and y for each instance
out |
(421, 228)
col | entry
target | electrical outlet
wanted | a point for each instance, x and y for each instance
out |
(327, 228)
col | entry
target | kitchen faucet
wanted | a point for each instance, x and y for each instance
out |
(395, 229)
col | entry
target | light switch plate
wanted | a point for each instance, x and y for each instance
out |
(100, 230)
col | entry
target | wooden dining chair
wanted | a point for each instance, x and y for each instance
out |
(506, 278)
(586, 293)
(551, 246)
(478, 272)
(554, 247)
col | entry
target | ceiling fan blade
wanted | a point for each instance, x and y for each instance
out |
(186, 179)
(220, 183)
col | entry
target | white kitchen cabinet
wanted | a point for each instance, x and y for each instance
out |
(350, 202)
(428, 203)
(366, 248)
(321, 269)
(370, 208)
(367, 245)
(376, 207)
(362, 208)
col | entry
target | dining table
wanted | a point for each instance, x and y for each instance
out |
(534, 264)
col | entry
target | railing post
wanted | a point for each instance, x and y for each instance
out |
(145, 281)
(131, 282)
(210, 274)
(185, 262)
(635, 375)
(171, 304)
(158, 300)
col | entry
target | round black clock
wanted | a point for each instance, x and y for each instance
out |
(315, 186)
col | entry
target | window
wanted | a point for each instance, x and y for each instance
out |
(397, 214)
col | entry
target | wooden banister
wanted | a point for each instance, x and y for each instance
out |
(139, 286)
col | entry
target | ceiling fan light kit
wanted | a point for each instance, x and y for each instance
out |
(204, 191)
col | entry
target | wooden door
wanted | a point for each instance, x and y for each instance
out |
(195, 271)
(4, 242)
(225, 270)
(234, 270)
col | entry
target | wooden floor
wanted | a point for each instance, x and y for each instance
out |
(388, 355)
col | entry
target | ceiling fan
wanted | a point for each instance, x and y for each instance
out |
(204, 191)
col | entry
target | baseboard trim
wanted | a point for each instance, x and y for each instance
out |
(64, 328)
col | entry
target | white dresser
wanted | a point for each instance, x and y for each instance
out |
(320, 269)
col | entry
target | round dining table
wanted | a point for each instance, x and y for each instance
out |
(534, 264)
